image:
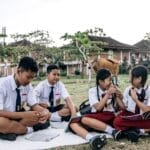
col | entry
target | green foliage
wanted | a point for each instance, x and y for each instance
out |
(82, 46)
(40, 37)
(54, 54)
(77, 72)
(124, 67)
(63, 73)
(42, 74)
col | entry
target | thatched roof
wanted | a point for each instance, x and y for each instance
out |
(143, 45)
(112, 43)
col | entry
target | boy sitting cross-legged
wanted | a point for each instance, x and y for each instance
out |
(15, 90)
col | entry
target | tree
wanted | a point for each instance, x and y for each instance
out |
(55, 54)
(40, 37)
(83, 45)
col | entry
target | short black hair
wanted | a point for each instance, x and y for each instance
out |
(51, 67)
(102, 74)
(140, 71)
(27, 63)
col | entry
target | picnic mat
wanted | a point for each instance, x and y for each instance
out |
(54, 136)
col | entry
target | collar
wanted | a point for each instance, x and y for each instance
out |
(140, 89)
(50, 85)
(101, 91)
(13, 83)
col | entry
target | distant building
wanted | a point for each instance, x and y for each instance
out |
(141, 55)
(114, 49)
(111, 49)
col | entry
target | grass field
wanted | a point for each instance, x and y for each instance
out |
(78, 89)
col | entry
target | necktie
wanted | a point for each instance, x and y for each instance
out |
(18, 100)
(51, 96)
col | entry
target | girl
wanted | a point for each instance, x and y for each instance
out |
(137, 101)
(103, 108)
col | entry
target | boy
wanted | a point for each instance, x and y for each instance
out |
(15, 91)
(50, 92)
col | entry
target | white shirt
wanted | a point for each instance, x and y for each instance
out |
(43, 89)
(8, 94)
(129, 102)
(93, 99)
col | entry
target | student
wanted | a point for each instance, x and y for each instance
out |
(137, 101)
(16, 91)
(50, 92)
(103, 104)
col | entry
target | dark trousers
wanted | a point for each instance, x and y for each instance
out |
(55, 108)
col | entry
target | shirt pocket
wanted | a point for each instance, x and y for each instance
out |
(24, 97)
(57, 96)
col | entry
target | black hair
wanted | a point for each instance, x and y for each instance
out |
(102, 74)
(139, 71)
(27, 63)
(51, 67)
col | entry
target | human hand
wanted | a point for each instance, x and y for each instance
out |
(44, 116)
(112, 90)
(44, 105)
(30, 118)
(119, 94)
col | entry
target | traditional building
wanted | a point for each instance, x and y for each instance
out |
(114, 49)
(111, 49)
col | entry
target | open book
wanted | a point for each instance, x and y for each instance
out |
(144, 116)
(43, 137)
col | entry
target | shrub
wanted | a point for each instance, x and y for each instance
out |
(63, 73)
(77, 72)
(42, 74)
(123, 69)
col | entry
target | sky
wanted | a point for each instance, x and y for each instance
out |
(124, 20)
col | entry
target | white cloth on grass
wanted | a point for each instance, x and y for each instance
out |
(64, 139)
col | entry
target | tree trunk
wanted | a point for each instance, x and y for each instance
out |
(83, 70)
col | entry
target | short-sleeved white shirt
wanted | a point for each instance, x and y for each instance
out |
(43, 89)
(8, 94)
(93, 99)
(129, 102)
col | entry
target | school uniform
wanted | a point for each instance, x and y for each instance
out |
(8, 94)
(43, 90)
(106, 115)
(124, 124)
